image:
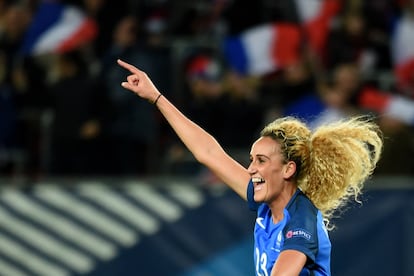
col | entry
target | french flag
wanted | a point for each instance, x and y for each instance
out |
(395, 106)
(402, 51)
(316, 17)
(58, 28)
(263, 49)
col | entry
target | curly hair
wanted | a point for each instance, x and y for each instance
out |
(333, 161)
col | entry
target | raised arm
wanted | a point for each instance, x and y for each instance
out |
(201, 144)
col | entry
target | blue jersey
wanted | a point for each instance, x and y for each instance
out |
(301, 229)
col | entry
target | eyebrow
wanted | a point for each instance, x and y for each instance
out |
(260, 155)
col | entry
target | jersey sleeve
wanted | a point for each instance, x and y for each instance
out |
(301, 232)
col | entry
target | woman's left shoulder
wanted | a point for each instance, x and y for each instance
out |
(300, 204)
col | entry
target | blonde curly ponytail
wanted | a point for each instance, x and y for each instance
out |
(342, 156)
(333, 162)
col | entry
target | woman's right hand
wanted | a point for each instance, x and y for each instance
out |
(139, 82)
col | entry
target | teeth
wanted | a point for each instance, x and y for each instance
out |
(257, 179)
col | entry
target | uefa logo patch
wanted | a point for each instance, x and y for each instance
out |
(298, 233)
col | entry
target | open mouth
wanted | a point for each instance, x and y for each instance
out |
(258, 183)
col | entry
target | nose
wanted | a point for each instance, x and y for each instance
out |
(251, 169)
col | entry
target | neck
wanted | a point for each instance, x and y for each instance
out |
(279, 204)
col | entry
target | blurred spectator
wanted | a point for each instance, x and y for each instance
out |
(287, 87)
(333, 100)
(106, 14)
(132, 128)
(199, 19)
(15, 20)
(77, 105)
(205, 103)
(243, 110)
(349, 43)
(28, 83)
(379, 15)
(16, 99)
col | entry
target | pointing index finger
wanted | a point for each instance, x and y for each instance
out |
(128, 66)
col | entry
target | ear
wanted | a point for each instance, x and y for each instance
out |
(289, 170)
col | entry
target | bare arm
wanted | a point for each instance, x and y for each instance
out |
(201, 144)
(289, 263)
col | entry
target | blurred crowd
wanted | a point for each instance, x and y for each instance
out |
(65, 113)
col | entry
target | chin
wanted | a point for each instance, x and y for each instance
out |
(258, 199)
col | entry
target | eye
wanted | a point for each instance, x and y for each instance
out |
(258, 160)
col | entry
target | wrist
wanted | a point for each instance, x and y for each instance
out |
(154, 102)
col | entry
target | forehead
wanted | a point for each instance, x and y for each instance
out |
(265, 146)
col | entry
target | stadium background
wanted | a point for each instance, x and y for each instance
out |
(126, 198)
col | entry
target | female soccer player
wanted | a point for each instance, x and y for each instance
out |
(295, 181)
